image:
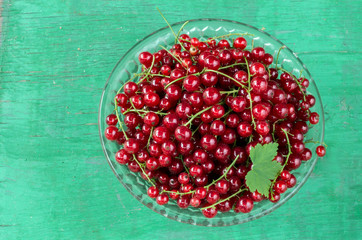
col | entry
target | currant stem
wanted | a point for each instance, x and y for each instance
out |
(149, 70)
(231, 34)
(119, 121)
(183, 163)
(179, 31)
(176, 38)
(143, 171)
(317, 142)
(145, 111)
(285, 163)
(251, 102)
(197, 114)
(232, 65)
(175, 57)
(225, 199)
(295, 79)
(276, 62)
(175, 81)
(224, 174)
(225, 75)
(149, 138)
(227, 92)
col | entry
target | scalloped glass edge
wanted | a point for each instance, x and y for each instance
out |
(211, 222)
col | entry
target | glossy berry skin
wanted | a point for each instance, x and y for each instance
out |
(217, 127)
(195, 202)
(174, 92)
(257, 69)
(212, 62)
(292, 181)
(280, 187)
(171, 121)
(212, 197)
(240, 43)
(258, 53)
(123, 157)
(209, 79)
(244, 129)
(260, 111)
(161, 134)
(111, 133)
(232, 120)
(244, 205)
(183, 201)
(256, 196)
(314, 118)
(217, 111)
(200, 156)
(151, 119)
(183, 133)
(164, 160)
(274, 198)
(209, 212)
(152, 192)
(131, 146)
(211, 96)
(196, 171)
(151, 99)
(285, 175)
(191, 83)
(130, 89)
(222, 153)
(169, 148)
(208, 142)
(229, 136)
(294, 161)
(262, 127)
(259, 85)
(200, 193)
(183, 178)
(238, 104)
(111, 120)
(222, 186)
(321, 151)
(162, 199)
(145, 58)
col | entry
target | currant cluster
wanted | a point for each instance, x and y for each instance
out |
(196, 112)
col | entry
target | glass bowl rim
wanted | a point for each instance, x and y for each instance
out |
(266, 211)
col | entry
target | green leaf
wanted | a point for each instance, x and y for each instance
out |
(264, 168)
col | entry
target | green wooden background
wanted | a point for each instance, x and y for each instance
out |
(55, 58)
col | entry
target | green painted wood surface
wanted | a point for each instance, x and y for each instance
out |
(55, 57)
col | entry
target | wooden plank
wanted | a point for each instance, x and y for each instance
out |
(55, 58)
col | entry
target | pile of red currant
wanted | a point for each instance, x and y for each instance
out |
(195, 111)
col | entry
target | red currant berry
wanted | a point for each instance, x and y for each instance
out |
(244, 205)
(145, 58)
(280, 187)
(111, 133)
(321, 151)
(211, 96)
(162, 199)
(183, 133)
(314, 118)
(161, 134)
(122, 157)
(291, 182)
(209, 212)
(152, 192)
(240, 43)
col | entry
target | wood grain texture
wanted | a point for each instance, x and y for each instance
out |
(55, 57)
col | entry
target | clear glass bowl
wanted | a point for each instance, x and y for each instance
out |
(203, 29)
